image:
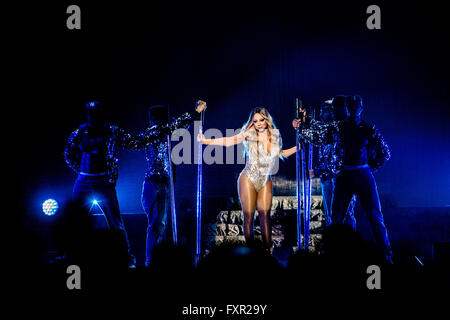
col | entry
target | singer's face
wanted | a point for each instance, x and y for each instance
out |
(259, 122)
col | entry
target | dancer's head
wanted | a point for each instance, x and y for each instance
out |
(326, 112)
(260, 120)
(354, 106)
(95, 113)
(339, 104)
(158, 115)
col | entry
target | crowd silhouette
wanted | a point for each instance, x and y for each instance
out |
(229, 273)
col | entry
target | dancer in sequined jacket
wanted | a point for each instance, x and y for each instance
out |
(359, 150)
(92, 152)
(155, 190)
(329, 112)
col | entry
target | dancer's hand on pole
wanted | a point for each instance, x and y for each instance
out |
(200, 106)
(302, 114)
(296, 123)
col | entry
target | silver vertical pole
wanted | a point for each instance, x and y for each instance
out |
(172, 194)
(172, 191)
(298, 176)
(199, 192)
(304, 191)
(307, 210)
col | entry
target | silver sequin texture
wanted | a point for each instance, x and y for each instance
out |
(321, 134)
(259, 162)
(118, 139)
(157, 153)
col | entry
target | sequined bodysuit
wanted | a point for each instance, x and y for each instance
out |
(260, 163)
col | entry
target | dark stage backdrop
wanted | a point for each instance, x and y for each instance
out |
(235, 57)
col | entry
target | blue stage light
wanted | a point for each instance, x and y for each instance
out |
(96, 206)
(49, 207)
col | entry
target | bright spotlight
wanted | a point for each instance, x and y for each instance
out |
(49, 207)
(95, 202)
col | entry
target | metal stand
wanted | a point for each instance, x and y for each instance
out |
(172, 191)
(298, 177)
(304, 158)
(172, 194)
(199, 192)
(308, 188)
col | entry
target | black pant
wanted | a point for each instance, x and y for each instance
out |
(90, 188)
(328, 186)
(155, 201)
(362, 183)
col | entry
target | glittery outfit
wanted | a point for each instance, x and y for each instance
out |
(118, 139)
(358, 150)
(260, 163)
(376, 151)
(156, 153)
(327, 183)
(155, 196)
(94, 152)
(95, 158)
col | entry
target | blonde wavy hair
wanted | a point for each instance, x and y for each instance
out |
(252, 135)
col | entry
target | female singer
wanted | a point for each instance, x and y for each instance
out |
(263, 147)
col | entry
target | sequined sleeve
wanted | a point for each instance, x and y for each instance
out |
(182, 121)
(380, 152)
(135, 142)
(154, 133)
(72, 153)
(325, 155)
(318, 133)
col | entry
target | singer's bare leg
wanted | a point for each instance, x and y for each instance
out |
(247, 196)
(250, 199)
(264, 204)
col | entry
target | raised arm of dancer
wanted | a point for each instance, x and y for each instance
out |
(224, 141)
(183, 121)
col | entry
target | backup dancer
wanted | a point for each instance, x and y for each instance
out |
(92, 152)
(330, 112)
(155, 190)
(359, 151)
